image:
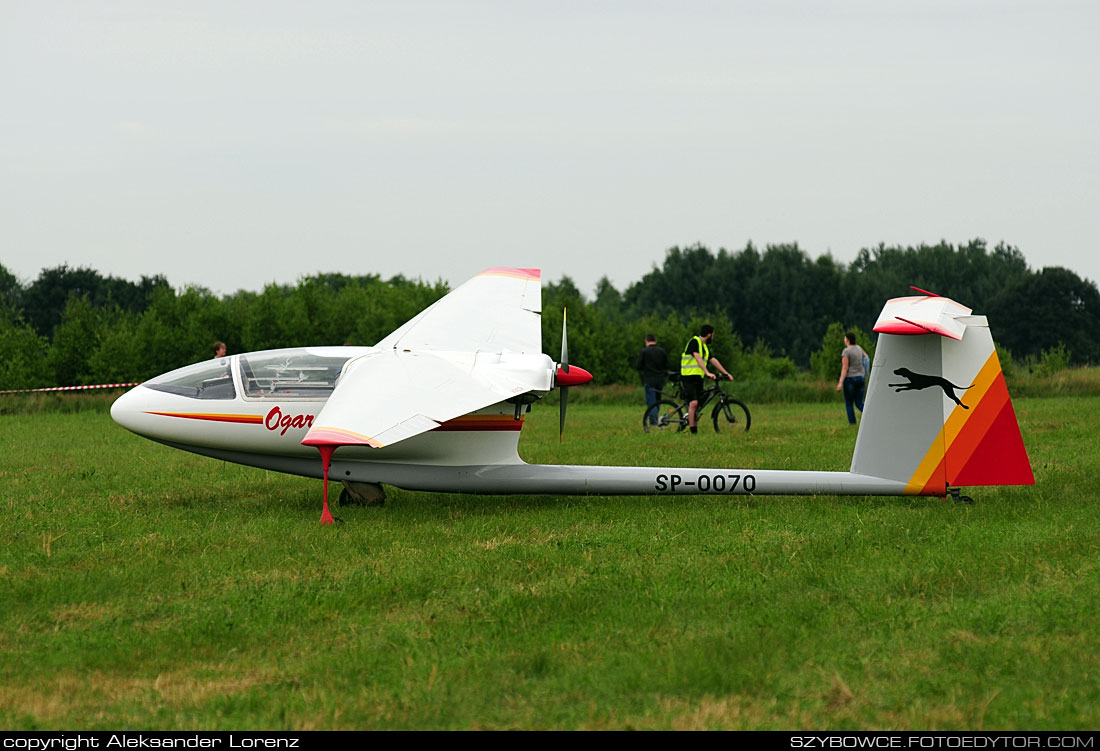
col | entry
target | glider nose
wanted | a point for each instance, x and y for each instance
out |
(574, 377)
(127, 409)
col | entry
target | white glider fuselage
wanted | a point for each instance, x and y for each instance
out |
(439, 404)
(476, 452)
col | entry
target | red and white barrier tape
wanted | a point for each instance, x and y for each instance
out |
(71, 388)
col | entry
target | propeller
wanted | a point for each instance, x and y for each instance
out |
(566, 376)
(564, 366)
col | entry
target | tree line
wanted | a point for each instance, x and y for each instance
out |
(778, 313)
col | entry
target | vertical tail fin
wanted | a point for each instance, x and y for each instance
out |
(937, 411)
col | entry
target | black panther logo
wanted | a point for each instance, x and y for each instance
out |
(918, 381)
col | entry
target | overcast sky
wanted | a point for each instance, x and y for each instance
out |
(232, 144)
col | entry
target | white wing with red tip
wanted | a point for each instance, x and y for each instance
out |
(477, 346)
(390, 395)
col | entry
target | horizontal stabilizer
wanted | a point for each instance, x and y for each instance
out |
(927, 314)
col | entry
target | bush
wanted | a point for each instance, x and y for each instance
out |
(1051, 361)
(1008, 365)
(825, 363)
(22, 353)
(759, 363)
(75, 339)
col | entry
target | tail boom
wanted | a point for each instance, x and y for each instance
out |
(555, 479)
(565, 479)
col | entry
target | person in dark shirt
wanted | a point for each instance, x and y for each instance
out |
(652, 362)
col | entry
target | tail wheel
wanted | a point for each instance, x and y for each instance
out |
(731, 414)
(664, 416)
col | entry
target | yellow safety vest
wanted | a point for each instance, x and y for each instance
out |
(688, 365)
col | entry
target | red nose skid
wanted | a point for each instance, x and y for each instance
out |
(575, 377)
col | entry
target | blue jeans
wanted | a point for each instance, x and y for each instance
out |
(853, 394)
(651, 399)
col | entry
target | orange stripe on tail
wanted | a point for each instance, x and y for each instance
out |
(977, 446)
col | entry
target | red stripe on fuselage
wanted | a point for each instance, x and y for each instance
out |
(465, 423)
(248, 419)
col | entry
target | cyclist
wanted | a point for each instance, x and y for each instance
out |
(693, 367)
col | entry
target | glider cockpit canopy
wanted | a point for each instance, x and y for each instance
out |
(299, 373)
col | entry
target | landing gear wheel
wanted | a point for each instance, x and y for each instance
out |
(362, 494)
(958, 497)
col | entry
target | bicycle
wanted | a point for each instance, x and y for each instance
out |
(729, 412)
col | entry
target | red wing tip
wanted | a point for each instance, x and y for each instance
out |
(322, 437)
(529, 274)
(905, 326)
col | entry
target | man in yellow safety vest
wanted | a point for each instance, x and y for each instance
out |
(693, 366)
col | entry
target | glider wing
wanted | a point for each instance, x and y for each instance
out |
(496, 311)
(390, 395)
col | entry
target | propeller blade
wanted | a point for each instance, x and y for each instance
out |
(564, 345)
(561, 416)
(564, 365)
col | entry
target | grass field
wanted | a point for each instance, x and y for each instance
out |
(143, 587)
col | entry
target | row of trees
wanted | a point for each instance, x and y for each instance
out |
(777, 313)
(787, 300)
(103, 342)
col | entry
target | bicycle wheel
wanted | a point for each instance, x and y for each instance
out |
(668, 415)
(731, 414)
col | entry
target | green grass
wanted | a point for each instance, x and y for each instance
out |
(143, 587)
